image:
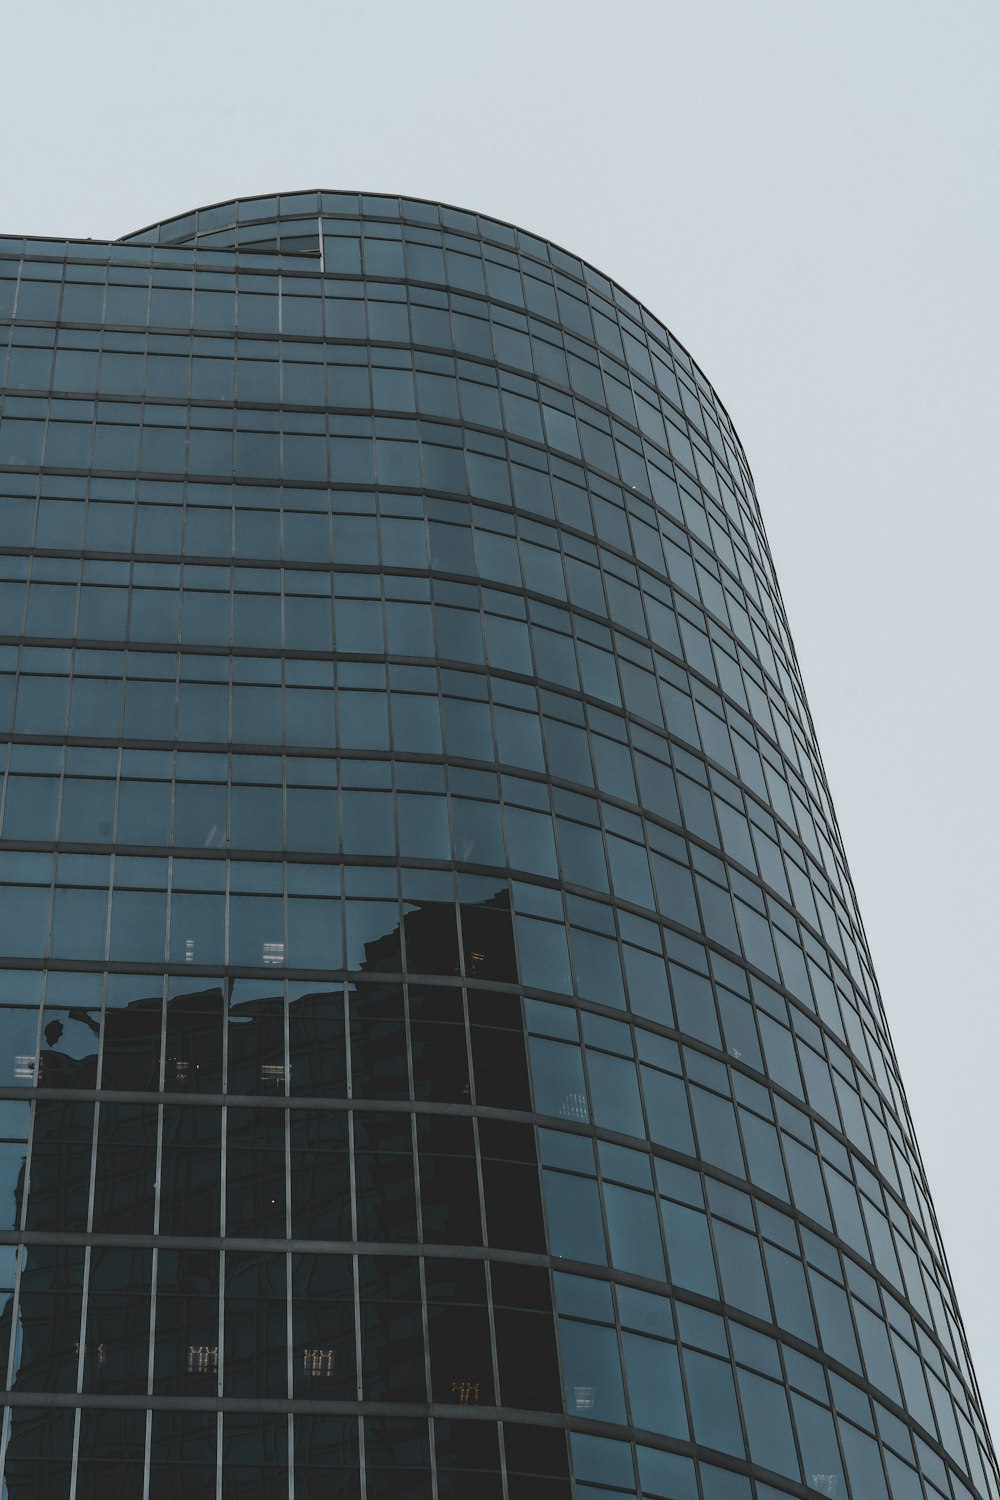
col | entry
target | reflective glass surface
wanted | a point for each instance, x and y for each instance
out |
(439, 1051)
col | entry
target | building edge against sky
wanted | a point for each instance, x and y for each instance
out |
(441, 1051)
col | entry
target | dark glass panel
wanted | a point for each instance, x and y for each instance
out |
(116, 1345)
(190, 1170)
(537, 1462)
(431, 938)
(50, 1305)
(458, 1330)
(194, 1042)
(449, 1181)
(385, 1190)
(256, 1344)
(488, 939)
(438, 1044)
(525, 1335)
(131, 1057)
(379, 1068)
(323, 1358)
(468, 1460)
(182, 1455)
(256, 1063)
(60, 1170)
(320, 1175)
(125, 1174)
(374, 940)
(255, 1172)
(397, 1458)
(498, 1052)
(392, 1340)
(317, 1055)
(39, 1453)
(327, 1458)
(510, 1186)
(255, 1456)
(186, 1356)
(112, 1455)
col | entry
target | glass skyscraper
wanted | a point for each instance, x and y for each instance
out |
(440, 1054)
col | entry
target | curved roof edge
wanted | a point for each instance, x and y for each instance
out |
(294, 205)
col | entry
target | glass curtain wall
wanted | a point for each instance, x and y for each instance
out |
(439, 1052)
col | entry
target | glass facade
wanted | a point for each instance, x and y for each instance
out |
(439, 1053)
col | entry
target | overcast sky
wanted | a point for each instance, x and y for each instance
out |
(806, 192)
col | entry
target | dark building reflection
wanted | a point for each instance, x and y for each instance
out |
(126, 1167)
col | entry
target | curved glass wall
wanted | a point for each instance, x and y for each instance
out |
(440, 1054)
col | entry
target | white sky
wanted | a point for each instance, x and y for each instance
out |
(806, 192)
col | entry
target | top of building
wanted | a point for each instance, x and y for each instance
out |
(315, 224)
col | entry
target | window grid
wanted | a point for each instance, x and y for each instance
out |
(422, 892)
